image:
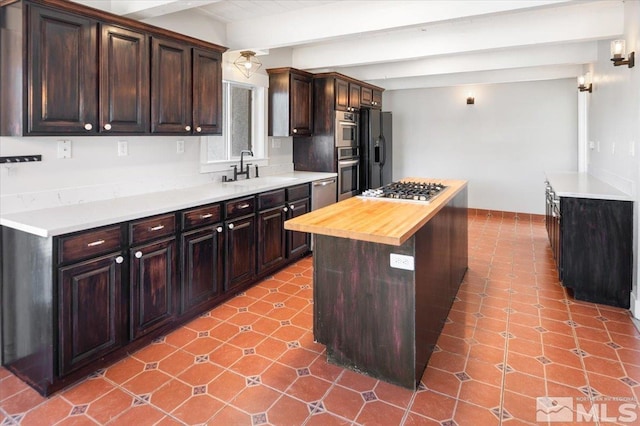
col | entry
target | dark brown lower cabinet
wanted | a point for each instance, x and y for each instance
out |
(202, 267)
(90, 311)
(298, 242)
(240, 265)
(153, 286)
(271, 239)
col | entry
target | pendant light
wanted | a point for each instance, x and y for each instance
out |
(247, 63)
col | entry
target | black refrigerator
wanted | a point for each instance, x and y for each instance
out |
(375, 148)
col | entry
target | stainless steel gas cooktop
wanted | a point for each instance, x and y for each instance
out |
(406, 191)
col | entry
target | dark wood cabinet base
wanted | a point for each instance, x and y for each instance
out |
(383, 321)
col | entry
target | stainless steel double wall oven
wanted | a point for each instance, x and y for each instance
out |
(347, 154)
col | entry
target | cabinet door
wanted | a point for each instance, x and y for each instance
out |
(90, 314)
(61, 73)
(170, 87)
(271, 238)
(202, 266)
(366, 96)
(207, 92)
(342, 95)
(376, 99)
(124, 81)
(354, 96)
(298, 242)
(241, 251)
(301, 109)
(153, 286)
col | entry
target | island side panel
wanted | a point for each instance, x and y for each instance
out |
(27, 307)
(364, 310)
(441, 262)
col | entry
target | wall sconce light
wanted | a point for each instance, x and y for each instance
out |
(247, 63)
(470, 99)
(618, 52)
(582, 83)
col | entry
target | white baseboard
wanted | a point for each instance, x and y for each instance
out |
(635, 306)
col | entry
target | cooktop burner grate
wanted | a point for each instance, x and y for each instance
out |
(407, 190)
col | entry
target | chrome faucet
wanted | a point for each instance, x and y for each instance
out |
(242, 171)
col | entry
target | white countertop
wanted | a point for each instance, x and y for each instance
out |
(78, 217)
(583, 185)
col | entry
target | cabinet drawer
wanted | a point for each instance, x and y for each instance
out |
(89, 244)
(240, 207)
(201, 216)
(297, 192)
(151, 228)
(266, 200)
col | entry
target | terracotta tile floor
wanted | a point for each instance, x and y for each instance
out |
(513, 334)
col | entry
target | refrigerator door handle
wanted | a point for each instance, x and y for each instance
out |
(383, 148)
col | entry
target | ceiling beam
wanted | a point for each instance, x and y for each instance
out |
(570, 23)
(354, 18)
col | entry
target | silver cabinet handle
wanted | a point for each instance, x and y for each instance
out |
(95, 243)
(292, 206)
(219, 229)
(231, 226)
(119, 259)
(156, 228)
(206, 216)
(244, 206)
(324, 183)
(187, 128)
(107, 126)
(88, 126)
(138, 254)
(198, 129)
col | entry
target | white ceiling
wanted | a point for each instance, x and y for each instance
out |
(407, 44)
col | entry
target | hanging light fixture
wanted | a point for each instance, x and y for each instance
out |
(247, 63)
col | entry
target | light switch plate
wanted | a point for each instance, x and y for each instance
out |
(64, 149)
(123, 148)
(401, 261)
(180, 147)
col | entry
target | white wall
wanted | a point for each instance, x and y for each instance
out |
(614, 124)
(502, 145)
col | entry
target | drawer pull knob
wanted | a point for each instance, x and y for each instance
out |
(285, 209)
(138, 254)
(244, 206)
(198, 129)
(119, 259)
(219, 229)
(206, 216)
(88, 126)
(95, 243)
(231, 226)
(292, 206)
(107, 126)
(187, 128)
(156, 228)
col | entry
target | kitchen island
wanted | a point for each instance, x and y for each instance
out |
(385, 275)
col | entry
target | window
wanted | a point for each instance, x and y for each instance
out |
(243, 125)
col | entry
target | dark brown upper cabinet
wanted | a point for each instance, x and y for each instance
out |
(61, 74)
(207, 91)
(290, 102)
(347, 95)
(124, 80)
(376, 99)
(89, 72)
(354, 97)
(371, 97)
(171, 87)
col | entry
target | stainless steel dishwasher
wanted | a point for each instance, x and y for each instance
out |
(323, 193)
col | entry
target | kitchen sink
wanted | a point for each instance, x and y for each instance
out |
(267, 180)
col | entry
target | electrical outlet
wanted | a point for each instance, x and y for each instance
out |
(613, 148)
(598, 146)
(180, 147)
(64, 149)
(632, 148)
(592, 144)
(123, 149)
(401, 261)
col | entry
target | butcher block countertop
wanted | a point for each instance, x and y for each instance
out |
(376, 220)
